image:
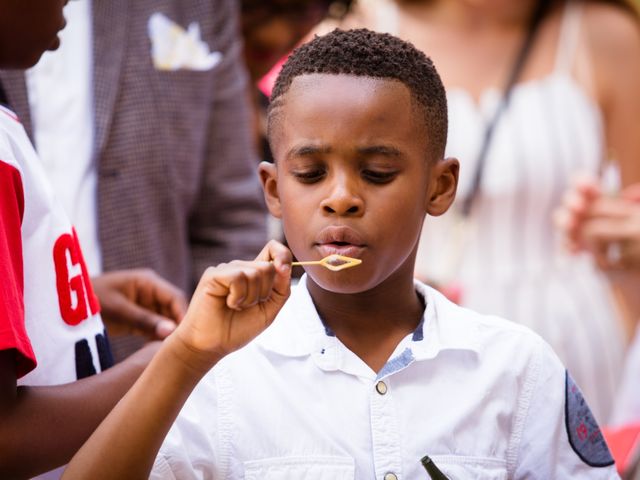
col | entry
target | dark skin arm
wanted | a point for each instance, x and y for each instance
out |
(232, 304)
(41, 428)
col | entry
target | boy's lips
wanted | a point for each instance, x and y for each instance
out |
(340, 240)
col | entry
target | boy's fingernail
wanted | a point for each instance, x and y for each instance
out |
(285, 267)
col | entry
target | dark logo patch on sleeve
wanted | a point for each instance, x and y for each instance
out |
(584, 433)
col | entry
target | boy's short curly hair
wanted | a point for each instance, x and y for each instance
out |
(366, 53)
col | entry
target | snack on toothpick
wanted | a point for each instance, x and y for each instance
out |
(333, 262)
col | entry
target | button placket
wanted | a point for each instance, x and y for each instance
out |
(385, 437)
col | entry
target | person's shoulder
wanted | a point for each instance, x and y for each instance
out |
(612, 31)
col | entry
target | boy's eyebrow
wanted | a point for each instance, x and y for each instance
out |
(308, 150)
(384, 150)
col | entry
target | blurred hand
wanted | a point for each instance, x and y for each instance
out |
(612, 232)
(140, 302)
(572, 214)
(609, 227)
(233, 303)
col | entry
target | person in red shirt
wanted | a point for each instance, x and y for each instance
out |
(52, 338)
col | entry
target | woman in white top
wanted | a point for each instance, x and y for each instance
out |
(574, 104)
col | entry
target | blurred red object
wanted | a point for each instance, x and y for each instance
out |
(624, 443)
(452, 290)
(266, 83)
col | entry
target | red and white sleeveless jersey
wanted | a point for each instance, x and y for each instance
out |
(45, 287)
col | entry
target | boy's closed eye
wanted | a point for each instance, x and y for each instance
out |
(309, 175)
(380, 175)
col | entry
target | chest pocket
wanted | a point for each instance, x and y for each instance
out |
(300, 468)
(479, 468)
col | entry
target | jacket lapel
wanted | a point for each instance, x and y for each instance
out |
(109, 41)
(15, 84)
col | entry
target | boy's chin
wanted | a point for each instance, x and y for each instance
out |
(342, 282)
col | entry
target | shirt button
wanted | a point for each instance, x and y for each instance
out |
(390, 476)
(381, 388)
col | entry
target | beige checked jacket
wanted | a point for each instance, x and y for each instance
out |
(177, 182)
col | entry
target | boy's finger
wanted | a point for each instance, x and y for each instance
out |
(282, 284)
(256, 274)
(277, 253)
(238, 286)
(266, 286)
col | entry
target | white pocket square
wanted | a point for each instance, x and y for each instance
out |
(174, 48)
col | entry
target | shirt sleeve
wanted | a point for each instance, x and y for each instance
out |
(13, 335)
(193, 448)
(558, 436)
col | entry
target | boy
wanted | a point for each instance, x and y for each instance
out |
(51, 332)
(364, 371)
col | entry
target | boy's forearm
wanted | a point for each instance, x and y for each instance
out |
(232, 304)
(127, 442)
(43, 427)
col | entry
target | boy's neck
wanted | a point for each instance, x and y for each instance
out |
(371, 323)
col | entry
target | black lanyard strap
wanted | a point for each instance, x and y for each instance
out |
(514, 75)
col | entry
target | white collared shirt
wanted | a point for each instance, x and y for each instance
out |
(61, 102)
(483, 397)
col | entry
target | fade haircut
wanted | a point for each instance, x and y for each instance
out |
(364, 53)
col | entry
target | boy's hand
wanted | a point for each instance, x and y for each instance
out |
(233, 303)
(139, 301)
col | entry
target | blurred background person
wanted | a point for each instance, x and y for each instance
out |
(538, 90)
(608, 227)
(152, 157)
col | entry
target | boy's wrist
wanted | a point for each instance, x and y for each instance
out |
(194, 361)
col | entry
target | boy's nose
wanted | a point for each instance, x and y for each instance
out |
(342, 200)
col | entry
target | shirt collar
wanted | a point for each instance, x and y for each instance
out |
(299, 331)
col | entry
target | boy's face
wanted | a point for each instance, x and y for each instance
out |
(353, 176)
(27, 29)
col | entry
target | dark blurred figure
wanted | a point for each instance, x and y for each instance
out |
(271, 30)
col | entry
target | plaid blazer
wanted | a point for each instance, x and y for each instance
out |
(177, 182)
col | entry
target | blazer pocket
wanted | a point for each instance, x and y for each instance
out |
(458, 467)
(301, 468)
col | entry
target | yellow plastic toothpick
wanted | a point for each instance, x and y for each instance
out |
(333, 262)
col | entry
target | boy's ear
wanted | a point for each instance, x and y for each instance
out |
(444, 182)
(269, 179)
